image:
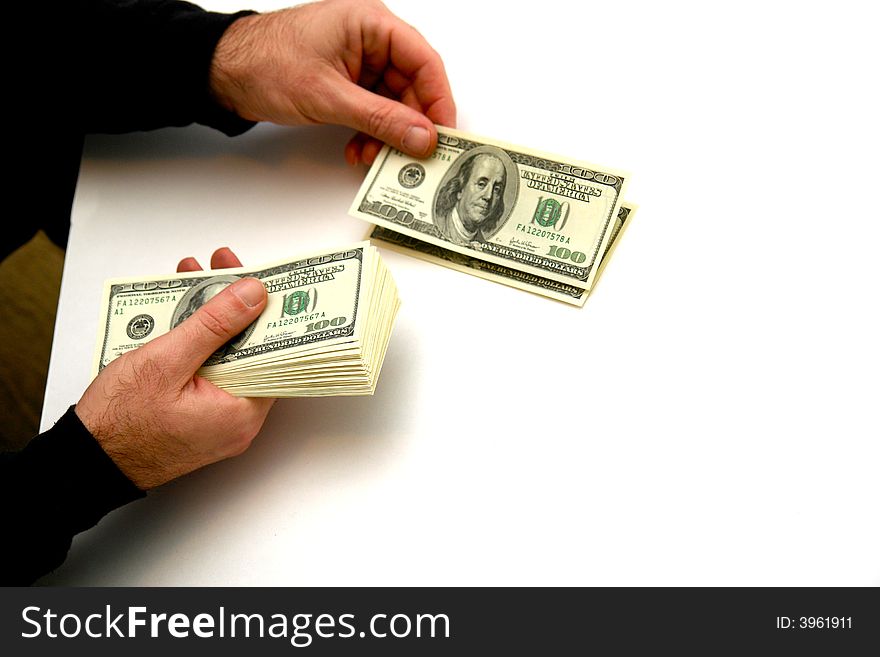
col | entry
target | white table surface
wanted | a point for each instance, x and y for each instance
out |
(710, 417)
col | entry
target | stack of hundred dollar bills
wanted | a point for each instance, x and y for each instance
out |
(513, 215)
(324, 331)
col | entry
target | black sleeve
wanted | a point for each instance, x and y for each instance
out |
(84, 66)
(141, 64)
(60, 484)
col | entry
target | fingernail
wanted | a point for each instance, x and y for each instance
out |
(249, 290)
(417, 140)
(350, 156)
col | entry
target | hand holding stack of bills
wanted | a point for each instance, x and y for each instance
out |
(510, 214)
(325, 329)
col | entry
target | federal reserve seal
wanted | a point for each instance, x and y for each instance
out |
(140, 327)
(411, 175)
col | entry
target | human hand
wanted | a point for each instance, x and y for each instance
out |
(348, 62)
(150, 411)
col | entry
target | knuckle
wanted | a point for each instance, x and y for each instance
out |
(375, 16)
(242, 445)
(243, 439)
(380, 120)
(214, 322)
(240, 430)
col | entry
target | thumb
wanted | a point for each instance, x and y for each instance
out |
(387, 120)
(185, 348)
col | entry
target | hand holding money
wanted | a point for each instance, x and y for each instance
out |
(155, 417)
(324, 331)
(346, 62)
(152, 406)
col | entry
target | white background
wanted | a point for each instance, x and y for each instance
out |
(710, 417)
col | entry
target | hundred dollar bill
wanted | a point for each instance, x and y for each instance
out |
(537, 213)
(499, 273)
(325, 327)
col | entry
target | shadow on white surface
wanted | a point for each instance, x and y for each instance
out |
(266, 143)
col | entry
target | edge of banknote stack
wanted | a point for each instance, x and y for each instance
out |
(324, 332)
(551, 232)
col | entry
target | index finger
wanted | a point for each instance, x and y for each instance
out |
(416, 59)
(224, 258)
(408, 52)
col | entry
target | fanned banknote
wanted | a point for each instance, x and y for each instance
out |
(324, 331)
(564, 292)
(539, 214)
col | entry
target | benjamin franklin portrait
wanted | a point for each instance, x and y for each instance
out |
(197, 296)
(476, 196)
